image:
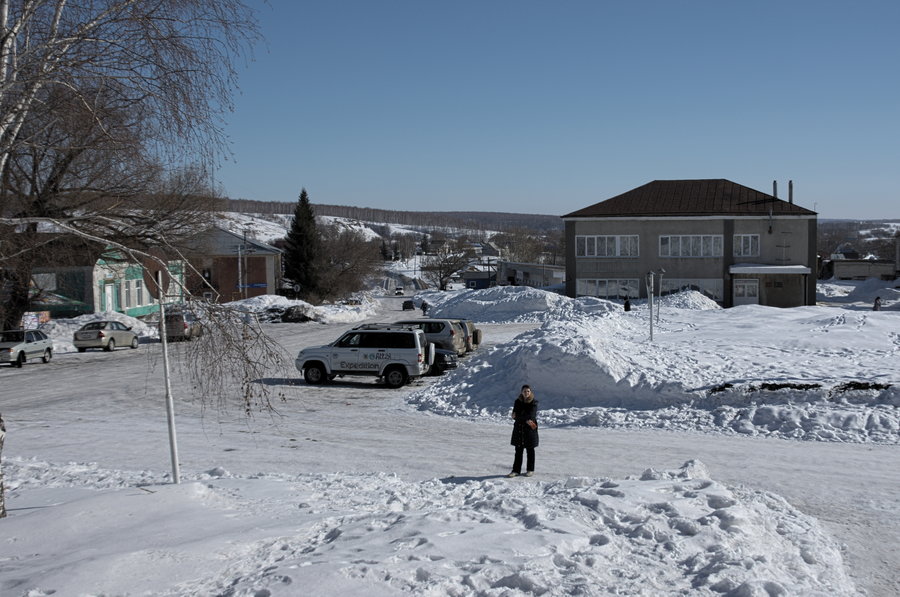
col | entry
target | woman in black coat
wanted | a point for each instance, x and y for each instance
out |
(525, 431)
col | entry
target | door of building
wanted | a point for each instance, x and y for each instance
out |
(746, 292)
(108, 298)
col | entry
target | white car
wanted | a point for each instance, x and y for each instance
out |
(18, 346)
(392, 353)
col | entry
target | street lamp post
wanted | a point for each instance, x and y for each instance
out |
(650, 300)
(661, 272)
(650, 275)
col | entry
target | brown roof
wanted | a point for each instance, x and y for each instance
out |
(714, 196)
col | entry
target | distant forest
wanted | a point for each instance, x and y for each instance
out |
(471, 220)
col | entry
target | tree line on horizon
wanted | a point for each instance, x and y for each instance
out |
(464, 220)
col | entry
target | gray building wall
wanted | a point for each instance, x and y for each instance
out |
(783, 240)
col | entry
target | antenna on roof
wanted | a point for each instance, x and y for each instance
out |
(775, 189)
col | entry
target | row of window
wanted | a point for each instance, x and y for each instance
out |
(630, 288)
(672, 245)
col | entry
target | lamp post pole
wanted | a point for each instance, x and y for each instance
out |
(650, 301)
(658, 306)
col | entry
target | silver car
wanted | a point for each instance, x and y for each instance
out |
(443, 332)
(104, 334)
(18, 346)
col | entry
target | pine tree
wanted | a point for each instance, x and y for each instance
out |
(301, 256)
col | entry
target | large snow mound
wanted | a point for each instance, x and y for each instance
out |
(662, 532)
(806, 373)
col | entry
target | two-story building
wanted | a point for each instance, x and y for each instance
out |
(734, 244)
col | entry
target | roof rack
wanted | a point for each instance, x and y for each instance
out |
(384, 326)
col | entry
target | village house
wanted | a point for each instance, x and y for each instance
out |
(734, 244)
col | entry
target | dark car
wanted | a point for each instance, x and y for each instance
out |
(182, 325)
(409, 306)
(443, 359)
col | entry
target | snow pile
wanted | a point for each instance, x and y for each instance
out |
(267, 307)
(688, 299)
(859, 293)
(825, 375)
(512, 304)
(664, 532)
(62, 331)
(361, 307)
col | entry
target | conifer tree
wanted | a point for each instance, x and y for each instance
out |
(301, 256)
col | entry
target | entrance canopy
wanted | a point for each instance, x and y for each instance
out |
(753, 268)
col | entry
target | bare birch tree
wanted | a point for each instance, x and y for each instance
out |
(444, 263)
(99, 102)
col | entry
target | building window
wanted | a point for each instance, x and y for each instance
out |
(607, 246)
(607, 289)
(695, 245)
(126, 293)
(138, 293)
(746, 245)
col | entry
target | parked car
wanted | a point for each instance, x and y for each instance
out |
(398, 291)
(443, 332)
(473, 334)
(182, 325)
(390, 352)
(409, 306)
(104, 334)
(443, 360)
(18, 346)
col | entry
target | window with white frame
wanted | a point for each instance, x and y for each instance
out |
(690, 245)
(126, 293)
(746, 245)
(607, 288)
(607, 246)
(138, 293)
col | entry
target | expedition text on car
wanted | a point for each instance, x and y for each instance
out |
(391, 352)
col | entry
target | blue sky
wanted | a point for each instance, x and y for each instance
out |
(547, 107)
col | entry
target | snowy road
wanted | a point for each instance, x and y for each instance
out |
(64, 412)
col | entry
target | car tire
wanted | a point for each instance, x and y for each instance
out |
(314, 374)
(20, 360)
(395, 377)
(48, 354)
(134, 342)
(81, 349)
(111, 345)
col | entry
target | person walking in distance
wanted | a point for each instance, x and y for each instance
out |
(877, 305)
(525, 431)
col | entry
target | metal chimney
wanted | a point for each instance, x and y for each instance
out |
(790, 191)
(775, 189)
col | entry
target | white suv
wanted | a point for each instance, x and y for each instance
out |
(390, 352)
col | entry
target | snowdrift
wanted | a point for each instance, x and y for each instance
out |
(806, 373)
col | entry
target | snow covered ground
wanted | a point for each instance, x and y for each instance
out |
(744, 452)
